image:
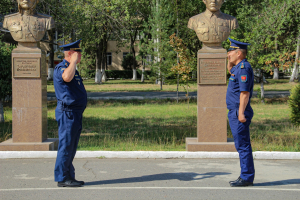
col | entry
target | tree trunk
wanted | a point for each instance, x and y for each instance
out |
(177, 88)
(143, 76)
(51, 56)
(98, 74)
(294, 75)
(276, 73)
(1, 112)
(104, 77)
(262, 90)
(134, 75)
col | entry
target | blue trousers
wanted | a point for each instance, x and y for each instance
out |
(69, 129)
(241, 135)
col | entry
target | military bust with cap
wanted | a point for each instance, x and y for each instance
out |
(71, 102)
(239, 93)
(212, 26)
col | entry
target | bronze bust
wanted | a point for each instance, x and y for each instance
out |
(212, 26)
(27, 25)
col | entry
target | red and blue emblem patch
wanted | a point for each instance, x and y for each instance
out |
(244, 78)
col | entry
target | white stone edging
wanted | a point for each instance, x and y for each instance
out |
(268, 155)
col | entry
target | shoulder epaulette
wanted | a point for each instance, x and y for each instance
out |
(11, 15)
(242, 66)
(43, 15)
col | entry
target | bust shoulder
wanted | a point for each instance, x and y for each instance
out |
(228, 17)
(193, 20)
(8, 19)
(11, 15)
(49, 20)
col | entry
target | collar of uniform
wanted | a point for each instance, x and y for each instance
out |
(241, 62)
(209, 14)
(66, 63)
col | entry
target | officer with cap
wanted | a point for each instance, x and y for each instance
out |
(239, 93)
(71, 102)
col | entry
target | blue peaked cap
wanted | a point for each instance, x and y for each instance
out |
(75, 46)
(237, 45)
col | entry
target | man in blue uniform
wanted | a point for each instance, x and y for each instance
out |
(239, 93)
(71, 101)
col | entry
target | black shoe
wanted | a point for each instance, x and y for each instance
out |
(81, 182)
(240, 183)
(69, 183)
(235, 180)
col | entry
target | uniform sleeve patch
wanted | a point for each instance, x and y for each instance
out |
(244, 78)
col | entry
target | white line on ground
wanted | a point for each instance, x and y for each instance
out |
(264, 155)
(152, 188)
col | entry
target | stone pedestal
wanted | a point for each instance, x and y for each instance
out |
(29, 101)
(211, 103)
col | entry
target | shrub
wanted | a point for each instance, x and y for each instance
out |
(122, 74)
(128, 62)
(5, 70)
(294, 104)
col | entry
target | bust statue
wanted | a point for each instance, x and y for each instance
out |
(27, 25)
(212, 26)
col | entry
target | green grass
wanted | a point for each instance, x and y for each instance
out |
(164, 125)
(170, 86)
(276, 85)
(129, 86)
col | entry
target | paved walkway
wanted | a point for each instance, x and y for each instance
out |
(157, 95)
(150, 179)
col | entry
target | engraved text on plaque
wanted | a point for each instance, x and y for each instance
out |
(26, 68)
(212, 71)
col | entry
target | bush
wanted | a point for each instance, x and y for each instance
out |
(122, 74)
(128, 62)
(294, 104)
(5, 71)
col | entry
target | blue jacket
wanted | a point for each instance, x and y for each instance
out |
(71, 96)
(241, 79)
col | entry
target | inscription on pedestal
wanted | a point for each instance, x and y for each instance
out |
(212, 71)
(26, 68)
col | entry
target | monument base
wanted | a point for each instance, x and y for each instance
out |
(49, 144)
(192, 144)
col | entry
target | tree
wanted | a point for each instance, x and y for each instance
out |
(271, 29)
(131, 21)
(294, 75)
(186, 62)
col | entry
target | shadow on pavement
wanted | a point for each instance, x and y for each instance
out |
(283, 182)
(184, 176)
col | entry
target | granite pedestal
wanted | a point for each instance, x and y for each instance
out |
(211, 103)
(29, 101)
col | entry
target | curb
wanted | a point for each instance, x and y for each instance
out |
(259, 155)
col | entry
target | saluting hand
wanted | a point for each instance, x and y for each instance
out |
(229, 64)
(74, 57)
(242, 118)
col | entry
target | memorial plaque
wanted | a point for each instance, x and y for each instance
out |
(212, 71)
(26, 68)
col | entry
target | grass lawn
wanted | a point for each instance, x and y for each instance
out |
(170, 85)
(129, 85)
(164, 125)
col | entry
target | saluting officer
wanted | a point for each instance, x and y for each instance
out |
(239, 93)
(71, 102)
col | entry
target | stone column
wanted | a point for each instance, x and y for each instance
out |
(29, 101)
(211, 103)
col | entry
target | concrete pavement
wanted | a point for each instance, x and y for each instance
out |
(150, 179)
(157, 95)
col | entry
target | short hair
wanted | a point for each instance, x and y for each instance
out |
(244, 52)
